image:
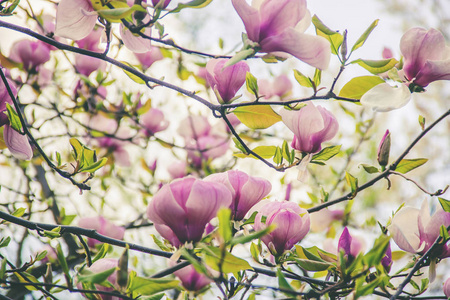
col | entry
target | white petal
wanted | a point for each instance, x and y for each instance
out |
(384, 97)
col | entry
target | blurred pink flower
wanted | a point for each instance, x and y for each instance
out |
(414, 230)
(246, 190)
(75, 19)
(31, 54)
(311, 126)
(103, 227)
(164, 3)
(207, 147)
(149, 57)
(177, 169)
(225, 81)
(278, 26)
(387, 53)
(102, 265)
(133, 41)
(191, 279)
(153, 121)
(181, 209)
(292, 225)
(426, 58)
(386, 261)
(280, 87)
(194, 127)
(86, 64)
(322, 219)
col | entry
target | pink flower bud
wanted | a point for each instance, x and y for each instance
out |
(349, 245)
(386, 261)
(311, 126)
(425, 56)
(163, 5)
(414, 230)
(447, 288)
(181, 209)
(17, 143)
(191, 279)
(292, 225)
(384, 149)
(387, 53)
(102, 265)
(226, 81)
(30, 54)
(103, 227)
(280, 87)
(278, 26)
(153, 121)
(148, 58)
(322, 219)
(246, 190)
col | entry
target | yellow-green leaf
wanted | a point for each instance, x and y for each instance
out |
(358, 86)
(365, 35)
(302, 79)
(13, 118)
(133, 77)
(334, 37)
(263, 151)
(352, 182)
(406, 165)
(150, 286)
(257, 116)
(191, 4)
(225, 262)
(376, 66)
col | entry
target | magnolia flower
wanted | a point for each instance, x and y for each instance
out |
(311, 126)
(103, 227)
(147, 58)
(280, 87)
(86, 64)
(225, 81)
(425, 56)
(133, 41)
(386, 261)
(384, 149)
(246, 190)
(102, 265)
(31, 54)
(163, 5)
(153, 121)
(181, 209)
(75, 19)
(17, 143)
(415, 231)
(207, 147)
(194, 127)
(322, 219)
(278, 26)
(349, 245)
(191, 279)
(177, 169)
(292, 224)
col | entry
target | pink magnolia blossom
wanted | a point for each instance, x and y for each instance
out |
(149, 57)
(31, 54)
(278, 26)
(349, 245)
(17, 143)
(311, 126)
(225, 81)
(384, 149)
(425, 55)
(207, 147)
(414, 230)
(280, 87)
(246, 190)
(133, 41)
(153, 121)
(103, 227)
(386, 261)
(321, 220)
(194, 127)
(177, 169)
(447, 288)
(75, 19)
(292, 225)
(181, 209)
(164, 3)
(191, 279)
(102, 265)
(86, 64)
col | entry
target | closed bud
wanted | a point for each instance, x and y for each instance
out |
(122, 273)
(383, 149)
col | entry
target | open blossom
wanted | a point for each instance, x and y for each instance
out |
(425, 56)
(30, 53)
(225, 81)
(292, 224)
(75, 19)
(280, 87)
(415, 231)
(17, 143)
(279, 25)
(246, 190)
(153, 121)
(311, 126)
(103, 227)
(182, 208)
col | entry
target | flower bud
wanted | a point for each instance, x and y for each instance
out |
(349, 245)
(191, 279)
(386, 261)
(383, 149)
(30, 53)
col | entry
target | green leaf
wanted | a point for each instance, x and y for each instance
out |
(378, 251)
(41, 255)
(19, 212)
(121, 11)
(132, 76)
(362, 39)
(422, 122)
(369, 168)
(243, 239)
(317, 77)
(224, 261)
(54, 233)
(282, 282)
(224, 216)
(263, 151)
(63, 262)
(3, 269)
(303, 80)
(191, 4)
(4, 242)
(11, 8)
(102, 252)
(254, 251)
(443, 232)
(334, 37)
(363, 289)
(445, 204)
(251, 84)
(278, 157)
(150, 286)
(160, 244)
(91, 277)
(358, 86)
(376, 66)
(95, 166)
(407, 165)
(241, 55)
(327, 153)
(313, 266)
(13, 118)
(352, 182)
(257, 116)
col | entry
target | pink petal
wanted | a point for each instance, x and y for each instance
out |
(73, 19)
(251, 18)
(313, 50)
(18, 144)
(133, 42)
(432, 71)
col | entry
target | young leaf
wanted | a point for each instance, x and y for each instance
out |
(251, 84)
(352, 182)
(224, 216)
(376, 66)
(317, 77)
(369, 168)
(334, 37)
(133, 77)
(282, 282)
(263, 151)
(191, 4)
(13, 118)
(358, 86)
(303, 80)
(362, 39)
(4, 242)
(91, 277)
(278, 157)
(445, 204)
(257, 116)
(327, 153)
(150, 286)
(224, 261)
(407, 165)
(422, 122)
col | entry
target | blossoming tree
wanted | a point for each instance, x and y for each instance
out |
(136, 167)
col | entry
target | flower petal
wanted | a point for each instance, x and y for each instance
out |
(73, 20)
(384, 97)
(17, 143)
(251, 18)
